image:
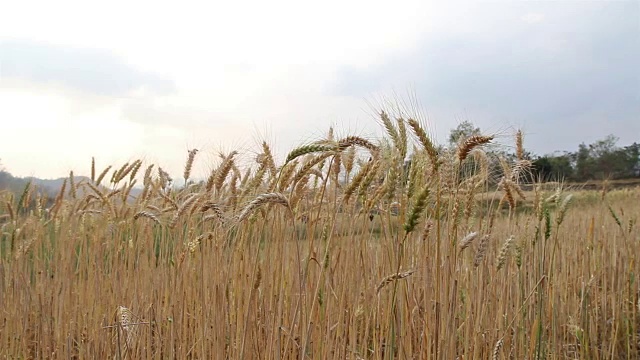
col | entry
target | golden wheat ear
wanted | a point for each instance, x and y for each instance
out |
(482, 249)
(270, 198)
(504, 251)
(393, 277)
(189, 165)
(470, 143)
(519, 146)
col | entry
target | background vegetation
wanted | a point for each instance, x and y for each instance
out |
(342, 251)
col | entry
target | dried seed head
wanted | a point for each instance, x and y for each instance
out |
(467, 240)
(391, 278)
(470, 143)
(519, 147)
(482, 248)
(504, 250)
(273, 198)
(187, 168)
(563, 208)
(357, 141)
(184, 207)
(147, 215)
(496, 349)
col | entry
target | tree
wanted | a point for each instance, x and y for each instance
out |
(605, 160)
(627, 161)
(584, 163)
(552, 168)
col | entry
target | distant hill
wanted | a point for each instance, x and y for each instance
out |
(52, 186)
(49, 186)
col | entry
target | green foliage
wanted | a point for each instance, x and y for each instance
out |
(553, 168)
(601, 160)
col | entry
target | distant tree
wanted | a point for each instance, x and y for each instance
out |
(552, 168)
(4, 179)
(584, 163)
(605, 160)
(602, 159)
(627, 161)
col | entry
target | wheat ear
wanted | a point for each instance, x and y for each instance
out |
(471, 143)
(187, 167)
(307, 149)
(393, 277)
(272, 198)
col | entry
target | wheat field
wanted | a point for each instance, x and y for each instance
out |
(344, 250)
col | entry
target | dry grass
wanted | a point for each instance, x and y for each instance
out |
(266, 265)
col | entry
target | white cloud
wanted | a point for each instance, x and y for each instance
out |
(47, 133)
(533, 18)
(248, 70)
(241, 69)
(86, 70)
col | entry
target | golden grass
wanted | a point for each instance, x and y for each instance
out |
(333, 254)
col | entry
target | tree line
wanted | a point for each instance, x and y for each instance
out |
(602, 160)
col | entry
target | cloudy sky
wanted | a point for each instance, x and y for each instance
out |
(122, 80)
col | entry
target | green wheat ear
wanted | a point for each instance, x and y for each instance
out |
(614, 216)
(547, 223)
(416, 212)
(307, 149)
(563, 208)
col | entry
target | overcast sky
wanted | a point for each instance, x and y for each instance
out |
(122, 80)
